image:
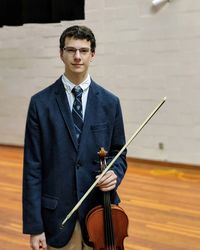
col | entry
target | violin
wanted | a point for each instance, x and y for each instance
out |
(107, 224)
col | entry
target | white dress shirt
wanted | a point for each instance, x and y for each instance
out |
(68, 89)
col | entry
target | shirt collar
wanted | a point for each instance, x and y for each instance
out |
(69, 85)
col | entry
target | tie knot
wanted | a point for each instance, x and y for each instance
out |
(77, 91)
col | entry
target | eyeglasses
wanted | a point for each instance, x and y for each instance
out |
(72, 51)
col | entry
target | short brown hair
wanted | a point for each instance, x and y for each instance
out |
(78, 32)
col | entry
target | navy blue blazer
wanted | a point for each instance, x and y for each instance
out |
(57, 172)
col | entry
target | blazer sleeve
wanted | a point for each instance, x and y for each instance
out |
(32, 174)
(118, 141)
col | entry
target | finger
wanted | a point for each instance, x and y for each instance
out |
(108, 180)
(110, 184)
(44, 244)
(110, 172)
(108, 188)
(108, 177)
(35, 246)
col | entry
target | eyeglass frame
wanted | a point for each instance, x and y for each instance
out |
(72, 50)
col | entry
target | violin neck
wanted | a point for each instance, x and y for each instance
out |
(107, 211)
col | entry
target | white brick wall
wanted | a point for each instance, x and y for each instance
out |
(143, 54)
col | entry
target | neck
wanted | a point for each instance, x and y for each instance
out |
(76, 78)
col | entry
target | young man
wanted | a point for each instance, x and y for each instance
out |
(67, 124)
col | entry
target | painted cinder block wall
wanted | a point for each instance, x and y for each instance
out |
(143, 54)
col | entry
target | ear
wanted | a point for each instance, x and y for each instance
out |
(92, 56)
(61, 54)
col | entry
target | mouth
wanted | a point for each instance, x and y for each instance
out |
(77, 64)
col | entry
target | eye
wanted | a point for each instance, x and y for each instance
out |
(84, 50)
(71, 50)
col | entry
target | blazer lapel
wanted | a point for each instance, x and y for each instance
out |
(63, 104)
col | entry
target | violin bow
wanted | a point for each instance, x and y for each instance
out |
(112, 162)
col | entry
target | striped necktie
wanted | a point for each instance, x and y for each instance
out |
(77, 111)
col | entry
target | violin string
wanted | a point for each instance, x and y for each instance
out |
(104, 211)
(105, 224)
(108, 215)
(108, 211)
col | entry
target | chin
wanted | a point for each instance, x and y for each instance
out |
(79, 71)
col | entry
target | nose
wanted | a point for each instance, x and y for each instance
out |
(77, 54)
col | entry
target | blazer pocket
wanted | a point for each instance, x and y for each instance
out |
(49, 203)
(99, 127)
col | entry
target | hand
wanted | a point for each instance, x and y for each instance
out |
(108, 181)
(38, 242)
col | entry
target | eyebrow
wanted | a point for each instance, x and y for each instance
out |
(71, 47)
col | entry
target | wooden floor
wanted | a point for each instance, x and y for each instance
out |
(163, 205)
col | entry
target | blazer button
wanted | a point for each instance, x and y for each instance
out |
(78, 165)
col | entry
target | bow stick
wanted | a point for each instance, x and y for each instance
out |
(112, 162)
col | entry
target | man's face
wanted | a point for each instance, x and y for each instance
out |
(76, 56)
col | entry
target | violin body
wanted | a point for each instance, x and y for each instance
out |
(96, 230)
(107, 224)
